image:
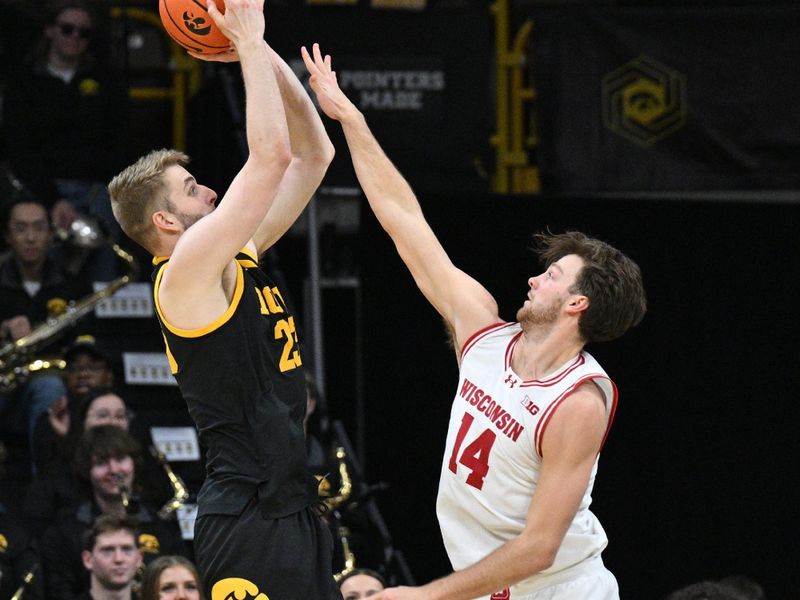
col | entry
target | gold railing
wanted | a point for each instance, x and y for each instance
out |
(514, 173)
(184, 75)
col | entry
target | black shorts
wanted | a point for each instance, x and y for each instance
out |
(285, 559)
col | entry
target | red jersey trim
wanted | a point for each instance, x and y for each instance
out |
(579, 360)
(480, 334)
(541, 426)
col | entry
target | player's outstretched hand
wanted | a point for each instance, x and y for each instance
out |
(322, 79)
(242, 23)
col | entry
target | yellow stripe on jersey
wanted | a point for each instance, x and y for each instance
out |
(247, 264)
(217, 323)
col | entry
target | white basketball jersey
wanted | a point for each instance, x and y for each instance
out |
(493, 454)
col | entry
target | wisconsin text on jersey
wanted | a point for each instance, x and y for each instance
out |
(496, 414)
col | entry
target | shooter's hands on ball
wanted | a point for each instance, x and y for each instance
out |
(331, 98)
(242, 24)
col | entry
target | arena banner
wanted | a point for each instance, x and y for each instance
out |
(421, 77)
(678, 99)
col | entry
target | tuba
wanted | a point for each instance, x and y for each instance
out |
(178, 486)
(17, 361)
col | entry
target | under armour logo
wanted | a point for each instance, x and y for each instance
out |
(511, 381)
(501, 595)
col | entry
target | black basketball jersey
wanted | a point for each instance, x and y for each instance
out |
(242, 379)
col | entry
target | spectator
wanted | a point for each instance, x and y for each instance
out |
(33, 287)
(55, 488)
(706, 590)
(65, 115)
(18, 557)
(170, 578)
(750, 589)
(87, 368)
(106, 461)
(111, 557)
(361, 583)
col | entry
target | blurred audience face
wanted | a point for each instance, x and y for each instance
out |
(28, 234)
(360, 586)
(108, 409)
(105, 474)
(114, 560)
(85, 372)
(69, 36)
(178, 583)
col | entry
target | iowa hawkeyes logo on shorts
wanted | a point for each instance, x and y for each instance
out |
(197, 25)
(3, 543)
(236, 588)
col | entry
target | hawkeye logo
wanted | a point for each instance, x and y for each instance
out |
(235, 588)
(197, 25)
(644, 101)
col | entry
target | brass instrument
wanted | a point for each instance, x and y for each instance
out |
(181, 491)
(124, 492)
(16, 358)
(26, 581)
(349, 557)
(345, 485)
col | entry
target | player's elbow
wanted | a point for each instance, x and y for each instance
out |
(325, 154)
(540, 553)
(275, 156)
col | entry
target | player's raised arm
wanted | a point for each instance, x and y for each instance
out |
(463, 302)
(312, 152)
(202, 253)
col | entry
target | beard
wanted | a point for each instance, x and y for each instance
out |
(188, 220)
(541, 317)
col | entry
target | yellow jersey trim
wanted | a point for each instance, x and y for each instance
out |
(248, 264)
(216, 323)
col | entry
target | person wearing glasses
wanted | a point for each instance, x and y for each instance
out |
(65, 116)
(33, 288)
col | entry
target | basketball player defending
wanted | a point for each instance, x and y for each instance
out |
(231, 341)
(531, 410)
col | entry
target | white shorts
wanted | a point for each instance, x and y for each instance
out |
(598, 585)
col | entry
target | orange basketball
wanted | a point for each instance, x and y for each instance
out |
(189, 24)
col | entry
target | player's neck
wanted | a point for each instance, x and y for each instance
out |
(539, 353)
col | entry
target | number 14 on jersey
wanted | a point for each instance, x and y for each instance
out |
(475, 456)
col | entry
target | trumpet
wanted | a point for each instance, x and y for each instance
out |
(349, 557)
(26, 581)
(16, 362)
(178, 486)
(345, 485)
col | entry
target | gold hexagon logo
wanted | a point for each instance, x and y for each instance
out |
(644, 101)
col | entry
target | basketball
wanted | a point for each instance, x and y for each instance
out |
(189, 24)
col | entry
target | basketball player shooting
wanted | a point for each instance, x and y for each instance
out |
(230, 338)
(531, 409)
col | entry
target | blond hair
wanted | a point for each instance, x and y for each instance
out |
(140, 190)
